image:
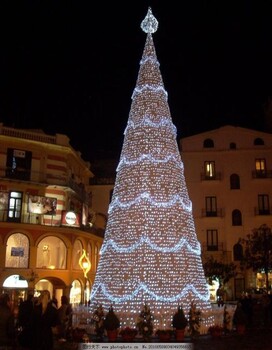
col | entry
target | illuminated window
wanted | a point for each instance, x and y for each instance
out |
(51, 253)
(77, 252)
(17, 251)
(15, 206)
(209, 167)
(260, 167)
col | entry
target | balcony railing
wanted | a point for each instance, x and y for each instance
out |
(261, 174)
(258, 211)
(210, 213)
(216, 247)
(206, 177)
(45, 179)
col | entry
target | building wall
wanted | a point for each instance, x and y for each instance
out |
(57, 171)
(228, 160)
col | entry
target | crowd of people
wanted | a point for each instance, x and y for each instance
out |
(258, 310)
(35, 323)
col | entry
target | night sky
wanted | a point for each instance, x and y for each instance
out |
(70, 67)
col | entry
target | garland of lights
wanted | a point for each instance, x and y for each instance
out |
(185, 203)
(151, 159)
(142, 286)
(137, 245)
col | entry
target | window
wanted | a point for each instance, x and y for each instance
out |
(258, 142)
(211, 206)
(212, 240)
(263, 204)
(15, 206)
(208, 143)
(236, 218)
(209, 167)
(234, 182)
(18, 165)
(51, 253)
(17, 251)
(77, 252)
(238, 252)
(260, 167)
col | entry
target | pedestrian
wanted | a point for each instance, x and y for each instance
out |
(220, 295)
(265, 304)
(65, 317)
(7, 324)
(24, 322)
(45, 317)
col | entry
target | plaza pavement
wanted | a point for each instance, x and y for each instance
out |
(253, 339)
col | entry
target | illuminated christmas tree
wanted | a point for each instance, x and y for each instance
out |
(150, 254)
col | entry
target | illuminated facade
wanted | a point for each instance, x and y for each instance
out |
(229, 176)
(45, 214)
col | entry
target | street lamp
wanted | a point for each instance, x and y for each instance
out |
(85, 264)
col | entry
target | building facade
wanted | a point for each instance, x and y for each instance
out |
(229, 177)
(47, 237)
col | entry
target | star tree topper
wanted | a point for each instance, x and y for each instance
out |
(149, 24)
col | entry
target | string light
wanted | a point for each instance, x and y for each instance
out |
(150, 254)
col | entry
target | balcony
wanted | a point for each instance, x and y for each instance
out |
(219, 213)
(263, 211)
(44, 179)
(261, 174)
(206, 177)
(215, 247)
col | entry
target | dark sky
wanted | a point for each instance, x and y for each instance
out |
(70, 67)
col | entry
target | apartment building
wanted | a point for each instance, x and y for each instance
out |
(47, 238)
(228, 173)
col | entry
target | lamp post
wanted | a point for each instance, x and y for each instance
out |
(85, 264)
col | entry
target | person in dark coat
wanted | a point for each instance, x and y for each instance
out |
(65, 316)
(7, 323)
(45, 317)
(24, 322)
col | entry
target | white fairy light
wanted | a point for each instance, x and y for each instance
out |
(150, 252)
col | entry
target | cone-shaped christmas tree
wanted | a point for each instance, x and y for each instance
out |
(150, 254)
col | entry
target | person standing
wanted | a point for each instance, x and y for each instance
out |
(24, 322)
(65, 317)
(7, 323)
(45, 317)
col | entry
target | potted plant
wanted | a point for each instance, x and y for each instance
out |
(179, 322)
(145, 323)
(128, 334)
(240, 319)
(111, 324)
(98, 321)
(194, 321)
